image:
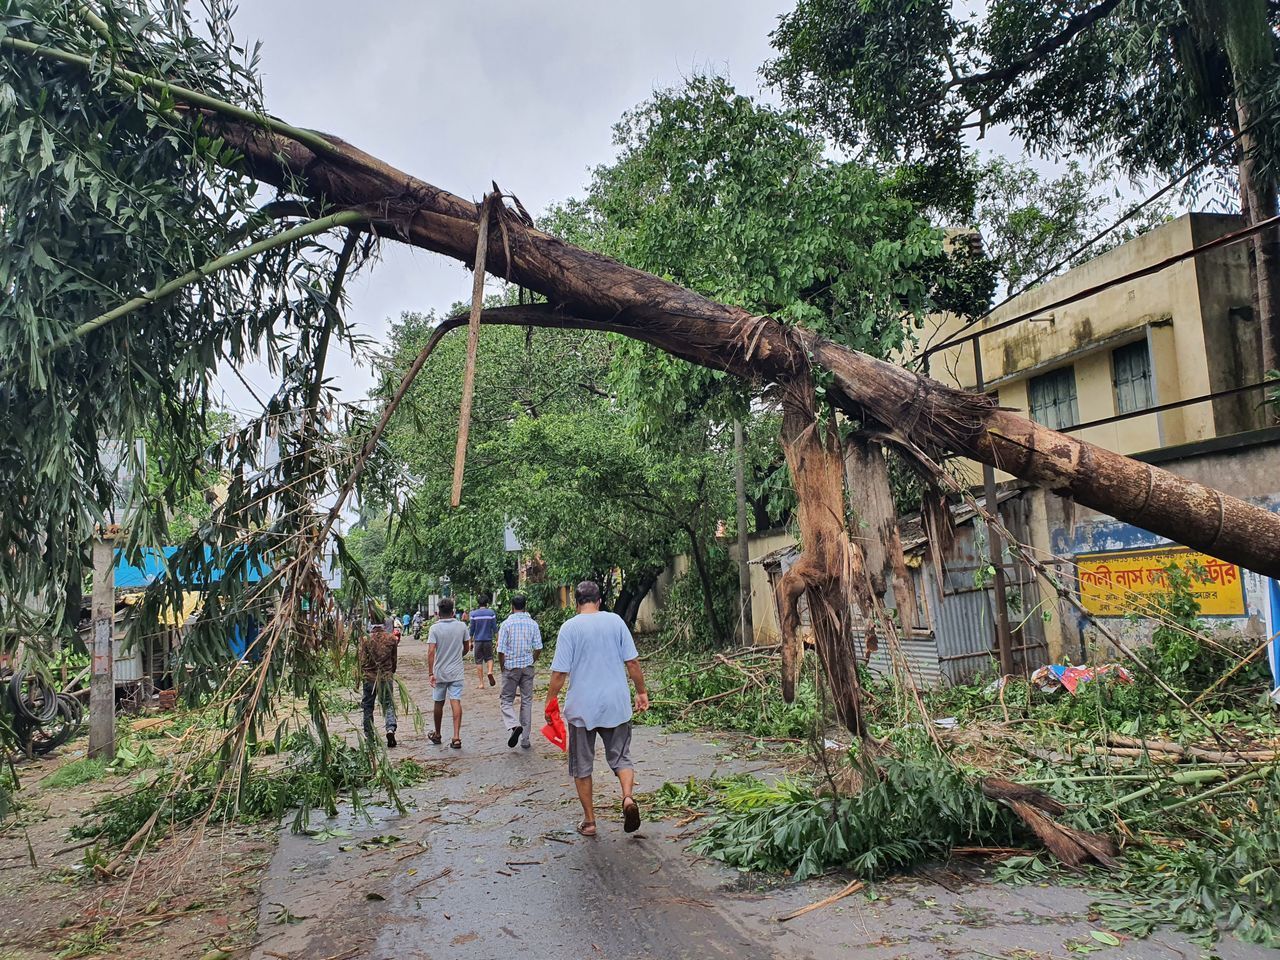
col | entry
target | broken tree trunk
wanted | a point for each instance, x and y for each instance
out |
(876, 516)
(588, 290)
(831, 570)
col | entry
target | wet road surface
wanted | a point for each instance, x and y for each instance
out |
(487, 866)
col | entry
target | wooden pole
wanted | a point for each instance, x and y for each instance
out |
(102, 685)
(995, 547)
(747, 634)
(473, 345)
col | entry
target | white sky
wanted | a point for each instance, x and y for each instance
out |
(460, 94)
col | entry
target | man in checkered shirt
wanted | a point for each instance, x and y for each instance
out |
(519, 643)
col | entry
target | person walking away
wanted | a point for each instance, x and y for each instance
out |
(447, 644)
(596, 654)
(377, 656)
(484, 624)
(519, 643)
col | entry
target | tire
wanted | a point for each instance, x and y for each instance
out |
(66, 725)
(33, 698)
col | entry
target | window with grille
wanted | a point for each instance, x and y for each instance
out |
(1053, 398)
(1131, 371)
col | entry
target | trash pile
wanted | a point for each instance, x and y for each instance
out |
(1054, 676)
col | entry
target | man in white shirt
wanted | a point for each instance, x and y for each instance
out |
(596, 653)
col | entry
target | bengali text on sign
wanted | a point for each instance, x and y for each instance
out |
(1118, 583)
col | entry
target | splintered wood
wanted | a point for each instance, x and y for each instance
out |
(473, 345)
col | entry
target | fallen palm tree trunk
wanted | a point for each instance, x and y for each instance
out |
(587, 290)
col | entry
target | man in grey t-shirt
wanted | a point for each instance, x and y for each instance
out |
(597, 655)
(447, 644)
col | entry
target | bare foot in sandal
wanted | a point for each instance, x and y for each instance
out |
(587, 828)
(630, 815)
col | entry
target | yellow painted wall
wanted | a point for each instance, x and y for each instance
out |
(1172, 309)
(764, 614)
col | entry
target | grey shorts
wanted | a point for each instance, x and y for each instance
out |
(483, 651)
(582, 749)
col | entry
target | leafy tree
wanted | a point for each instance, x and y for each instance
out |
(739, 201)
(1162, 84)
(190, 487)
(552, 454)
(1033, 225)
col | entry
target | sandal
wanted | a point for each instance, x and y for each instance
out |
(434, 737)
(455, 744)
(492, 681)
(587, 828)
(630, 815)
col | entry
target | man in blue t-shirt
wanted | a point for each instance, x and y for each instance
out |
(484, 625)
(596, 654)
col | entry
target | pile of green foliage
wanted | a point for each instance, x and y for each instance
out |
(1201, 839)
(740, 696)
(907, 811)
(1198, 865)
(304, 783)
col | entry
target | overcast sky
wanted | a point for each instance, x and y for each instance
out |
(460, 94)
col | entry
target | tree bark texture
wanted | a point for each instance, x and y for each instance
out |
(876, 528)
(1259, 194)
(831, 571)
(587, 290)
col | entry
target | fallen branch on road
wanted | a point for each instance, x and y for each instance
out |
(852, 888)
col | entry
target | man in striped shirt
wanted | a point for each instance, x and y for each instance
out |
(519, 643)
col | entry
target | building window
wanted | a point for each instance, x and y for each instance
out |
(1131, 370)
(1053, 398)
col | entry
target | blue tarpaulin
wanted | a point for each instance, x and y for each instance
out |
(1273, 651)
(153, 565)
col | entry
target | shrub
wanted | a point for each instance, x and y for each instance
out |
(73, 774)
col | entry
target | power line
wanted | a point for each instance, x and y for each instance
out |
(1064, 261)
(1222, 241)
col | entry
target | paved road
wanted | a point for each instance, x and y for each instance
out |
(521, 883)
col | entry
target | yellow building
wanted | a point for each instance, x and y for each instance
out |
(1180, 332)
(1183, 328)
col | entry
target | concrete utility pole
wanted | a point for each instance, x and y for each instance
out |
(102, 683)
(1004, 636)
(747, 634)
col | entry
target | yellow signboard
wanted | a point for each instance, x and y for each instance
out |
(1117, 583)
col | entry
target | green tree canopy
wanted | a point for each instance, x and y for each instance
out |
(1150, 80)
(740, 201)
(554, 455)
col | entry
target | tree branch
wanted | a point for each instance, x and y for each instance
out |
(312, 139)
(212, 267)
(1011, 71)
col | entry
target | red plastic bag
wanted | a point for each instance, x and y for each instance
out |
(555, 730)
